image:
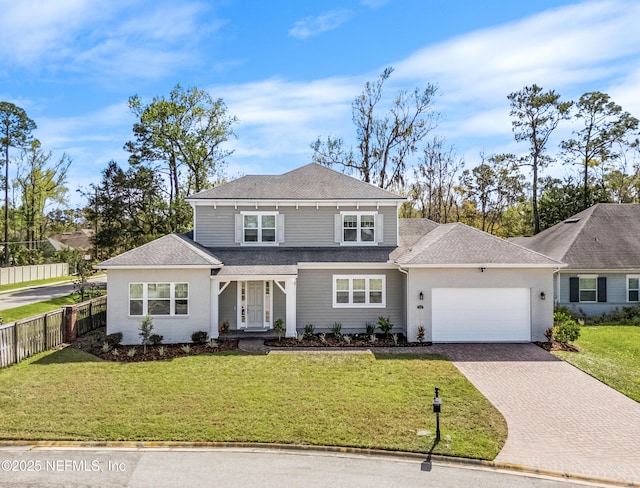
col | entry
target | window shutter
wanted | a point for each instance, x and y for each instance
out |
(337, 231)
(238, 228)
(602, 289)
(379, 228)
(574, 289)
(280, 226)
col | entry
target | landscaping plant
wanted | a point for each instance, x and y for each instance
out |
(565, 329)
(385, 325)
(278, 326)
(199, 337)
(146, 327)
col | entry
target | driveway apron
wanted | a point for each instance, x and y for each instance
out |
(559, 418)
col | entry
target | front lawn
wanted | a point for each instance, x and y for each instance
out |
(362, 400)
(610, 353)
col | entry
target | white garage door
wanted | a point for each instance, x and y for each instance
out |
(481, 315)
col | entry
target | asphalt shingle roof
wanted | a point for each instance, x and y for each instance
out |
(450, 244)
(310, 182)
(170, 250)
(605, 236)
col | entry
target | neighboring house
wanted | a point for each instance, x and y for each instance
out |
(80, 239)
(601, 246)
(314, 246)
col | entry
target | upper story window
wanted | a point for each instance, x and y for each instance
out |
(259, 228)
(158, 299)
(633, 287)
(358, 228)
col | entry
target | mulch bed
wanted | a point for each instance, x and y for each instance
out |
(557, 346)
(93, 341)
(357, 340)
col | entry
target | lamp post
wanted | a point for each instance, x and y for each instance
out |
(437, 406)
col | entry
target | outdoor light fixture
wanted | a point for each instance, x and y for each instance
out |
(421, 296)
(542, 296)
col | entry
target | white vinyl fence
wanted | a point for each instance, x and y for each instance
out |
(19, 274)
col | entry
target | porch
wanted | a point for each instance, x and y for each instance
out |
(249, 305)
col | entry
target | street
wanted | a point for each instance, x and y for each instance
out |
(159, 467)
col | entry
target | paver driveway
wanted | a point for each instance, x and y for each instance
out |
(559, 418)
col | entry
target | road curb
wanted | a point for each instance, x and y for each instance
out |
(401, 455)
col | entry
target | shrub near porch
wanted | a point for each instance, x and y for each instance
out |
(362, 400)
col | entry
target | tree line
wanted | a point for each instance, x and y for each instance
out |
(178, 148)
(504, 194)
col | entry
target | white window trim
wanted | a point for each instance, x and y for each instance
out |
(629, 289)
(591, 277)
(260, 242)
(358, 242)
(367, 279)
(145, 298)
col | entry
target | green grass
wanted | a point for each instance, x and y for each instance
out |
(610, 353)
(26, 284)
(361, 400)
(26, 311)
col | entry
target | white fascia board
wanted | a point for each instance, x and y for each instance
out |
(482, 265)
(294, 203)
(347, 266)
(247, 277)
(172, 266)
(600, 270)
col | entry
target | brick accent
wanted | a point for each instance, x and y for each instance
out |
(70, 330)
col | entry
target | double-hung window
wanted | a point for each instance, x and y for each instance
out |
(158, 299)
(588, 288)
(358, 227)
(259, 228)
(359, 291)
(633, 287)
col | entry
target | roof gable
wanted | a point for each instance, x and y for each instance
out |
(605, 236)
(459, 244)
(168, 251)
(310, 182)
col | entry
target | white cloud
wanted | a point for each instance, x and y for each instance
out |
(312, 26)
(155, 39)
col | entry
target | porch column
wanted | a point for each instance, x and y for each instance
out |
(215, 312)
(290, 289)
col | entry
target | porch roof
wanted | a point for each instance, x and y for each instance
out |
(281, 270)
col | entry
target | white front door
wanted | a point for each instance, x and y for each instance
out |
(255, 303)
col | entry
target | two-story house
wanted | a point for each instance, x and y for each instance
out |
(314, 246)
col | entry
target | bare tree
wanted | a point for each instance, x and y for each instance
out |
(384, 142)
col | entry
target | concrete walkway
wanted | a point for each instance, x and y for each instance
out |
(559, 418)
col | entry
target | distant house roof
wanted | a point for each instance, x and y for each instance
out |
(311, 182)
(79, 239)
(605, 236)
(171, 250)
(459, 244)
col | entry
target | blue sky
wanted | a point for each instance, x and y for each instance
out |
(289, 70)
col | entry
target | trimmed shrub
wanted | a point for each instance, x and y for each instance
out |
(200, 337)
(114, 339)
(155, 339)
(565, 329)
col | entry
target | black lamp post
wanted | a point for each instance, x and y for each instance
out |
(437, 406)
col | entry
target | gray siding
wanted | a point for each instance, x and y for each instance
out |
(315, 301)
(227, 310)
(616, 292)
(303, 227)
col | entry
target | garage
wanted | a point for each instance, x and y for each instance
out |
(481, 315)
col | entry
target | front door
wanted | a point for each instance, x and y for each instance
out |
(255, 304)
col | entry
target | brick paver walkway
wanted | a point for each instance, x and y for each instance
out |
(559, 418)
